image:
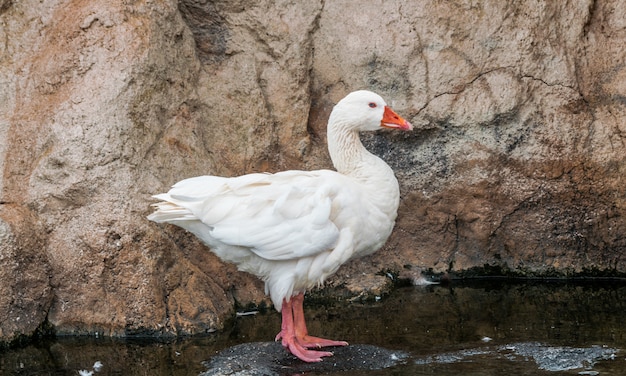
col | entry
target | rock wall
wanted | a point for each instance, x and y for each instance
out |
(517, 165)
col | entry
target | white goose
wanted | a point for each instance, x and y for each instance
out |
(293, 229)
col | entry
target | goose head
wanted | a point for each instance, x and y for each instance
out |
(364, 110)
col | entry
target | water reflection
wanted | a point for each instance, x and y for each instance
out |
(425, 321)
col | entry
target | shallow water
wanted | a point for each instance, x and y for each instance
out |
(480, 328)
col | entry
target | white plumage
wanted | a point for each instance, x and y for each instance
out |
(293, 229)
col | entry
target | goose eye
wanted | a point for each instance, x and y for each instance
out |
(372, 105)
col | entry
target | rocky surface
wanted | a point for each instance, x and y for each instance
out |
(547, 358)
(270, 359)
(517, 164)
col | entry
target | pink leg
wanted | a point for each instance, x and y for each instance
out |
(302, 334)
(290, 330)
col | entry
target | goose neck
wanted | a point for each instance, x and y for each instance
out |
(346, 150)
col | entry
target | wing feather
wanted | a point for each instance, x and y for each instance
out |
(283, 216)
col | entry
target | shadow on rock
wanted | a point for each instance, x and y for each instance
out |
(270, 359)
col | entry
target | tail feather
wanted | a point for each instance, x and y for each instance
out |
(169, 212)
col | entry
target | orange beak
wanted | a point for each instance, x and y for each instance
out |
(394, 121)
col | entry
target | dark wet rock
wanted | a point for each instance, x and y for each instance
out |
(548, 358)
(560, 358)
(453, 357)
(270, 359)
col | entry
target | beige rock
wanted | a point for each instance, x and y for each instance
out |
(518, 162)
(25, 291)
